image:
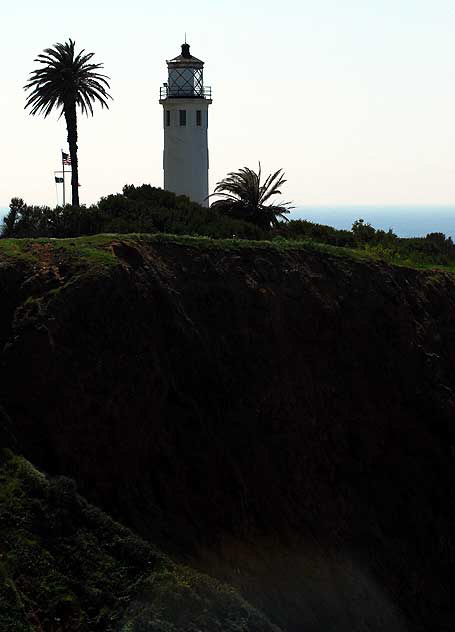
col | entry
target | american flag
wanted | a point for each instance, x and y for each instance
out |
(66, 160)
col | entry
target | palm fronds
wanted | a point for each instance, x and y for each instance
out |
(244, 197)
(66, 78)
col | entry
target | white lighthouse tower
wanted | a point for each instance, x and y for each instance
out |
(185, 102)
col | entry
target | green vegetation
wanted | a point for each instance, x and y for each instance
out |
(432, 251)
(142, 209)
(66, 80)
(65, 565)
(81, 251)
(160, 215)
(96, 250)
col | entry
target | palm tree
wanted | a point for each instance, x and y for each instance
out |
(66, 80)
(244, 197)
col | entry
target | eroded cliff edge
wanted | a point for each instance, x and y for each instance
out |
(281, 418)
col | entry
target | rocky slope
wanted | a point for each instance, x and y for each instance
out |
(280, 418)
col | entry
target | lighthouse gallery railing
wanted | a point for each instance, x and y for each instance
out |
(193, 93)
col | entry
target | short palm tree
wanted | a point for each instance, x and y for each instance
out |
(244, 197)
(67, 80)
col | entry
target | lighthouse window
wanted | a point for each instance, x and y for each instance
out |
(198, 117)
(182, 117)
(168, 118)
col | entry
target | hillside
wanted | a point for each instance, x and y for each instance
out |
(279, 417)
(67, 566)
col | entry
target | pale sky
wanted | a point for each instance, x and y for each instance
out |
(355, 99)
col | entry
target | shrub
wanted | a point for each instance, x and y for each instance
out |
(303, 229)
(363, 232)
(143, 209)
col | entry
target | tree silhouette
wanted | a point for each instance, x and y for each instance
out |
(244, 197)
(67, 80)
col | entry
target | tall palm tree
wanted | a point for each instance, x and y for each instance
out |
(67, 80)
(244, 197)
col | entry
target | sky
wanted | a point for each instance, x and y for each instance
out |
(355, 100)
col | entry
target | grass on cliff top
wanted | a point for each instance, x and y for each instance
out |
(93, 249)
(96, 249)
(67, 566)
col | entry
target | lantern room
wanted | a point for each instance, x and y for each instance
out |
(185, 77)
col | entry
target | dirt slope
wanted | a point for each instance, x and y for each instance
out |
(280, 418)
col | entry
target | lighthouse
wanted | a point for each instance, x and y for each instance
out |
(185, 102)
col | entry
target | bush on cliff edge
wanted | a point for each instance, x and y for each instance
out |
(143, 209)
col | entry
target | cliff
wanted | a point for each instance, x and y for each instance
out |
(280, 418)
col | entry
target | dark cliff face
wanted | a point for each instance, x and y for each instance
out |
(249, 395)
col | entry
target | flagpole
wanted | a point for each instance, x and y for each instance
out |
(63, 167)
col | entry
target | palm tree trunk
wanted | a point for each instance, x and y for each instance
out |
(71, 126)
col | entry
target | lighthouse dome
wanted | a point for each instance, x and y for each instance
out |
(185, 75)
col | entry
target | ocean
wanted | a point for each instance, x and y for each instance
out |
(405, 221)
